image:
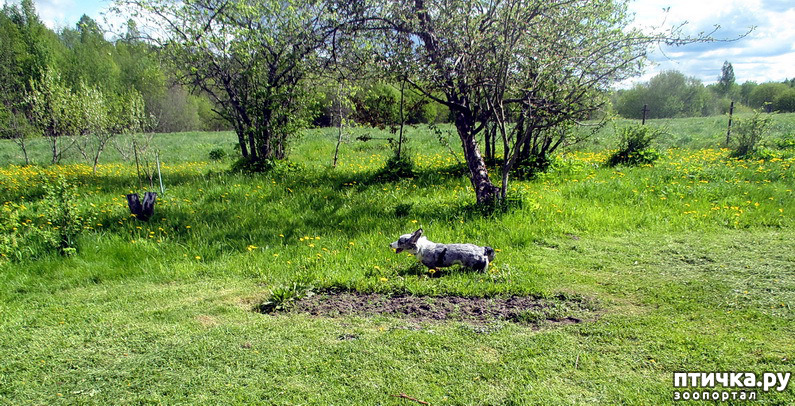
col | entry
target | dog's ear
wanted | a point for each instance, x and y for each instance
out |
(416, 236)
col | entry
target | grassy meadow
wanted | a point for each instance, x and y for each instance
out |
(686, 265)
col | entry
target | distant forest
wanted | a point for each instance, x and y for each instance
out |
(672, 94)
(82, 56)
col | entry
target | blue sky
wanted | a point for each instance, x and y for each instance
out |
(767, 54)
(66, 13)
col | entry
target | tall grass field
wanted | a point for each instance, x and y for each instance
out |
(684, 265)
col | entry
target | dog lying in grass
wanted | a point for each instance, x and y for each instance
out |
(434, 255)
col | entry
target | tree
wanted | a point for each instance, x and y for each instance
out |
(41, 47)
(15, 126)
(104, 116)
(533, 67)
(13, 123)
(13, 54)
(668, 94)
(726, 81)
(785, 101)
(745, 91)
(765, 94)
(91, 59)
(55, 110)
(248, 56)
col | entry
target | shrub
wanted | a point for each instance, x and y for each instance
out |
(748, 135)
(786, 142)
(63, 214)
(635, 148)
(217, 154)
(12, 232)
(248, 165)
(276, 166)
(532, 166)
(20, 240)
(52, 224)
(397, 168)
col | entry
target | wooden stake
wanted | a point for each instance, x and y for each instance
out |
(729, 130)
(159, 176)
(645, 110)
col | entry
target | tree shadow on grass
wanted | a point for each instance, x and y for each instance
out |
(319, 201)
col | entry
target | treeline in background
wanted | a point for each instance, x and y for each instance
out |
(127, 68)
(82, 56)
(671, 94)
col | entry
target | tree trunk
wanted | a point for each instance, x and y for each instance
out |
(494, 146)
(485, 191)
(22, 145)
(252, 146)
(339, 126)
(54, 143)
(241, 139)
(339, 141)
(487, 139)
(402, 119)
(100, 148)
(264, 143)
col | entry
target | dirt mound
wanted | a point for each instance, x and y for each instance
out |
(477, 310)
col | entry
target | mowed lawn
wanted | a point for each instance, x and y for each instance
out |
(687, 265)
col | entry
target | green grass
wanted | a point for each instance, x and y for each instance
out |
(691, 262)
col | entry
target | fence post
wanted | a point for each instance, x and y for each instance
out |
(159, 176)
(729, 130)
(645, 110)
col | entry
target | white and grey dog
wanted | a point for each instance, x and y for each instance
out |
(434, 255)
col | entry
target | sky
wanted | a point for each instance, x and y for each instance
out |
(766, 54)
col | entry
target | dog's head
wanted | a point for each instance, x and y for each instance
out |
(407, 242)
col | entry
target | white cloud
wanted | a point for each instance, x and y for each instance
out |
(766, 54)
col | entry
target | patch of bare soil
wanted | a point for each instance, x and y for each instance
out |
(475, 310)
